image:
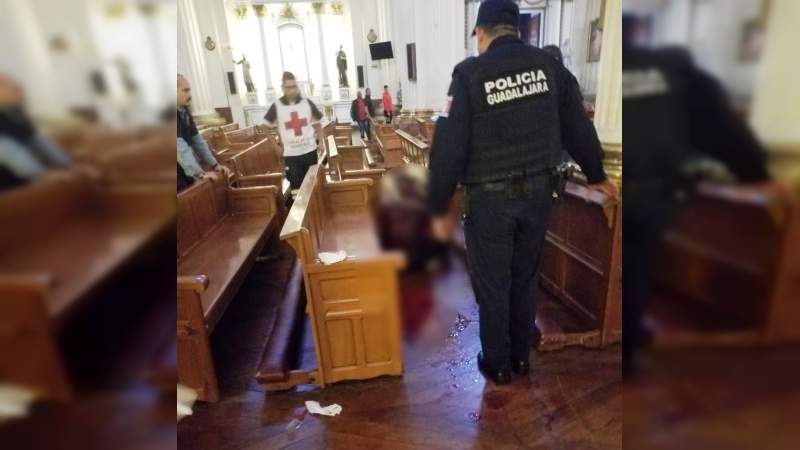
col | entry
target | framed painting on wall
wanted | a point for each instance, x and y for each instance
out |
(531, 26)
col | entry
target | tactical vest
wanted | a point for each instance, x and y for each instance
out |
(515, 113)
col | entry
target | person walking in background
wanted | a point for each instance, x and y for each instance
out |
(388, 108)
(358, 112)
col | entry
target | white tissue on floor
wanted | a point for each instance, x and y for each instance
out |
(315, 408)
(15, 401)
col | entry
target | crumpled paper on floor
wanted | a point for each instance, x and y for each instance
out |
(186, 397)
(315, 408)
(15, 401)
(332, 257)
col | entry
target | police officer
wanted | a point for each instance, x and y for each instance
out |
(672, 109)
(511, 111)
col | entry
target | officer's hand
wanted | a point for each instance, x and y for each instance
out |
(223, 170)
(607, 188)
(442, 228)
(211, 176)
(775, 189)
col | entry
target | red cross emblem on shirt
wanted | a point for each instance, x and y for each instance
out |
(296, 124)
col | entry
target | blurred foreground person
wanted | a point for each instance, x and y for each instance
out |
(672, 109)
(25, 155)
(192, 149)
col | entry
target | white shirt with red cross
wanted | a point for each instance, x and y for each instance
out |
(294, 124)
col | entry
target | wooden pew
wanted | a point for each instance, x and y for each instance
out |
(221, 230)
(247, 135)
(148, 161)
(353, 304)
(219, 143)
(261, 165)
(581, 269)
(343, 134)
(414, 150)
(64, 242)
(388, 143)
(354, 162)
(229, 127)
(728, 271)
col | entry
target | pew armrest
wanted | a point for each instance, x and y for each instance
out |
(365, 173)
(268, 179)
(32, 283)
(368, 158)
(352, 182)
(588, 195)
(351, 147)
(194, 283)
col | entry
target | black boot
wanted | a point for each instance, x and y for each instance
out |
(498, 376)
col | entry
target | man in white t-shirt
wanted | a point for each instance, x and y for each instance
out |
(295, 117)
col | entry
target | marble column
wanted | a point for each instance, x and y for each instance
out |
(776, 101)
(27, 60)
(608, 106)
(260, 13)
(191, 60)
(552, 26)
(319, 9)
(149, 11)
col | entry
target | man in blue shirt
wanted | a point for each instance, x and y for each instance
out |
(193, 151)
(25, 155)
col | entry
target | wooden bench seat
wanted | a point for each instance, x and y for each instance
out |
(221, 230)
(388, 143)
(352, 305)
(64, 240)
(275, 371)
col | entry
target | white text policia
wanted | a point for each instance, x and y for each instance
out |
(524, 84)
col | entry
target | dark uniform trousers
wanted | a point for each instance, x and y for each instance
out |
(505, 225)
(298, 166)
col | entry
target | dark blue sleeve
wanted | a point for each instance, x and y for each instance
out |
(449, 147)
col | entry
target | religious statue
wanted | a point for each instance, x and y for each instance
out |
(248, 80)
(341, 64)
(128, 81)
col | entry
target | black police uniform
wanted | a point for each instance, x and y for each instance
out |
(672, 109)
(511, 112)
